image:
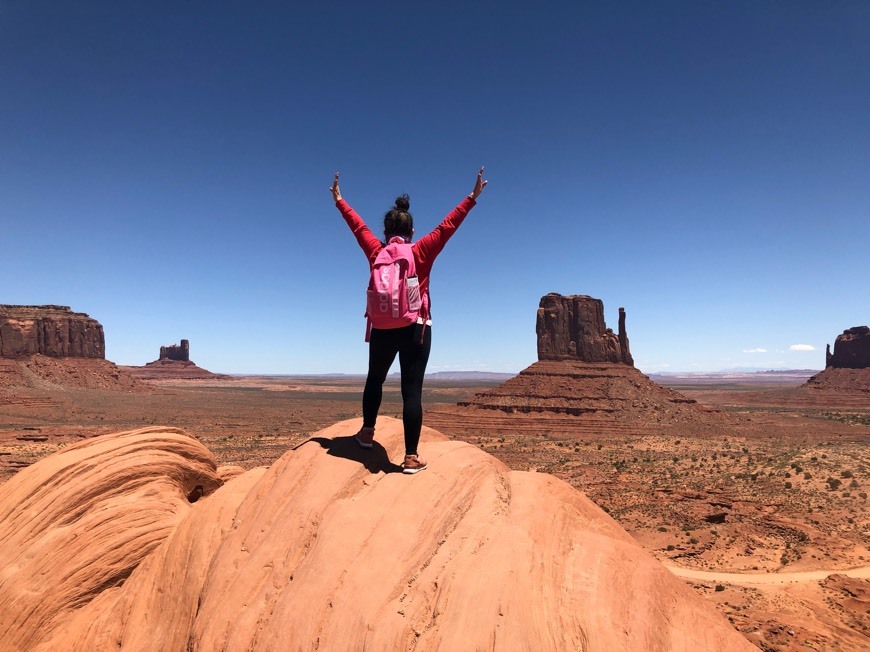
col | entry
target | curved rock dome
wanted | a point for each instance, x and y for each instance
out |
(130, 541)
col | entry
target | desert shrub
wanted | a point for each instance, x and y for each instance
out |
(662, 528)
(863, 495)
(676, 459)
(693, 541)
(787, 474)
(808, 476)
(799, 469)
(788, 485)
(833, 483)
(671, 547)
(853, 484)
(814, 459)
(824, 456)
(719, 588)
(600, 446)
(846, 474)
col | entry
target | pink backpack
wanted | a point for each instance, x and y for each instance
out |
(393, 297)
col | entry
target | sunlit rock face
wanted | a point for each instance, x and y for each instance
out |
(54, 331)
(137, 541)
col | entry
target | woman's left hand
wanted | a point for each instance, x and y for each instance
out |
(479, 185)
(336, 191)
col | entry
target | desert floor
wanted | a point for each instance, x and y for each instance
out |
(767, 519)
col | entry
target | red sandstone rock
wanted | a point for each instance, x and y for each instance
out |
(327, 549)
(54, 331)
(604, 391)
(180, 352)
(573, 328)
(851, 349)
(584, 369)
(174, 363)
(846, 377)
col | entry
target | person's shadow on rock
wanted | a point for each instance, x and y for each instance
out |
(375, 459)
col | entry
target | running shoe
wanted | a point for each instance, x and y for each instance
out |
(413, 464)
(365, 437)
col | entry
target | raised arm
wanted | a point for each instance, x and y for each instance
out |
(364, 236)
(430, 245)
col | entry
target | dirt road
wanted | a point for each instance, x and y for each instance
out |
(767, 578)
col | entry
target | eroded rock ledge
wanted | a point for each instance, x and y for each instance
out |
(54, 331)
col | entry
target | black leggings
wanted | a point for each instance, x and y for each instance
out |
(413, 356)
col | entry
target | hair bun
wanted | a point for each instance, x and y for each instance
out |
(403, 203)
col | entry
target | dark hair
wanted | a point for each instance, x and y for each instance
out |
(398, 221)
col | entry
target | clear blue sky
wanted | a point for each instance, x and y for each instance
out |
(165, 167)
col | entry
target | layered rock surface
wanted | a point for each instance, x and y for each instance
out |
(54, 331)
(329, 548)
(604, 390)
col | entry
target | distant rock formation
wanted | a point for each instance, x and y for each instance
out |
(573, 328)
(851, 349)
(174, 363)
(585, 369)
(180, 352)
(845, 382)
(133, 540)
(54, 331)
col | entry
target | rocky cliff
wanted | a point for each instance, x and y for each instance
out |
(179, 352)
(54, 331)
(851, 349)
(327, 549)
(573, 328)
(845, 381)
(585, 370)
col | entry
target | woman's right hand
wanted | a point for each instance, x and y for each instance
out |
(336, 191)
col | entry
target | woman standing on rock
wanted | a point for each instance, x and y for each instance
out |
(398, 309)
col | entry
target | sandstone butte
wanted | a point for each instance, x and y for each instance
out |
(847, 371)
(54, 331)
(138, 541)
(54, 346)
(174, 363)
(584, 370)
